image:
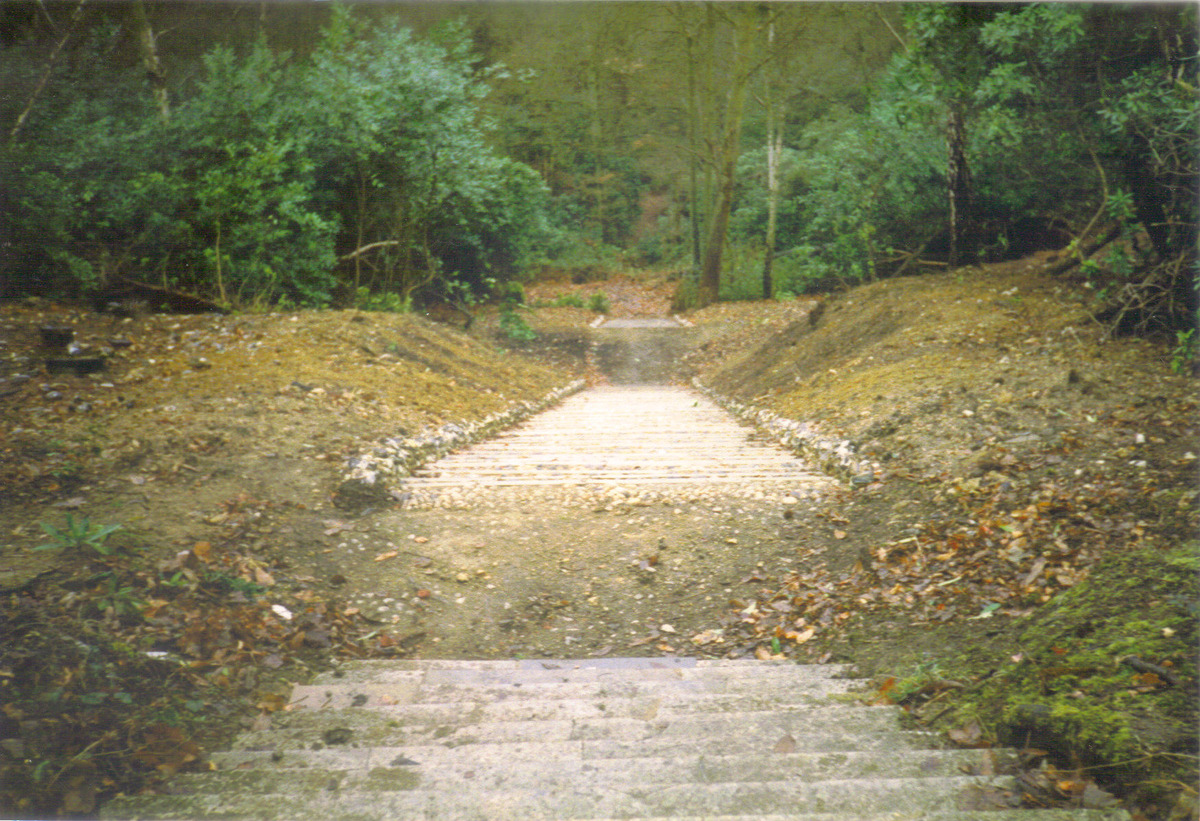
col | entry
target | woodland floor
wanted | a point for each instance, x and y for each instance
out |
(1018, 450)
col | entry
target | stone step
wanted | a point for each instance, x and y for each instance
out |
(651, 738)
(811, 730)
(591, 719)
(597, 670)
(481, 684)
(554, 765)
(408, 800)
(554, 706)
(633, 664)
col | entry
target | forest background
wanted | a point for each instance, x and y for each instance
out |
(283, 154)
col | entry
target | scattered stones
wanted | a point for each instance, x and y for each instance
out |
(397, 457)
(837, 457)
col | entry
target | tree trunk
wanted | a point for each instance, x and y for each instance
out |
(958, 184)
(710, 273)
(693, 114)
(144, 34)
(739, 77)
(774, 149)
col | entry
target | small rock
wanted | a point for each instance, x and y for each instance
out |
(356, 494)
(1095, 798)
(338, 735)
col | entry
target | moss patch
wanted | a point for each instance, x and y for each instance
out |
(1073, 692)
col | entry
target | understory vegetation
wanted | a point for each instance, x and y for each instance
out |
(276, 161)
(300, 156)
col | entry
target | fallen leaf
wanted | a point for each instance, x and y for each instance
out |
(1070, 786)
(271, 703)
(785, 745)
(391, 554)
(968, 736)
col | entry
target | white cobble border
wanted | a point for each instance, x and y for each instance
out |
(836, 457)
(396, 458)
(600, 496)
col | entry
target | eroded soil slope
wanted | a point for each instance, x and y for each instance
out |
(195, 411)
(1023, 568)
(1017, 451)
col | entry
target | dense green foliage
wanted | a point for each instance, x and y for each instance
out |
(1066, 112)
(275, 177)
(404, 149)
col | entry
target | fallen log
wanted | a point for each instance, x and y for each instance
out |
(121, 289)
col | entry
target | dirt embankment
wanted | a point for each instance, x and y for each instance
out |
(1025, 465)
(192, 411)
(1024, 569)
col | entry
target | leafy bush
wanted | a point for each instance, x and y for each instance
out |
(1121, 113)
(274, 173)
(514, 326)
(387, 302)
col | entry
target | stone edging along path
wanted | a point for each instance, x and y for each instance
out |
(370, 474)
(837, 457)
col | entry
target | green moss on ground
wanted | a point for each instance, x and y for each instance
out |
(1073, 692)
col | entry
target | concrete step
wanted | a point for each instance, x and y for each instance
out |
(665, 705)
(594, 739)
(551, 765)
(406, 799)
(826, 729)
(437, 685)
(575, 667)
(716, 673)
(590, 741)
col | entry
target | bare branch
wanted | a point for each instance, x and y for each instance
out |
(41, 85)
(357, 252)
